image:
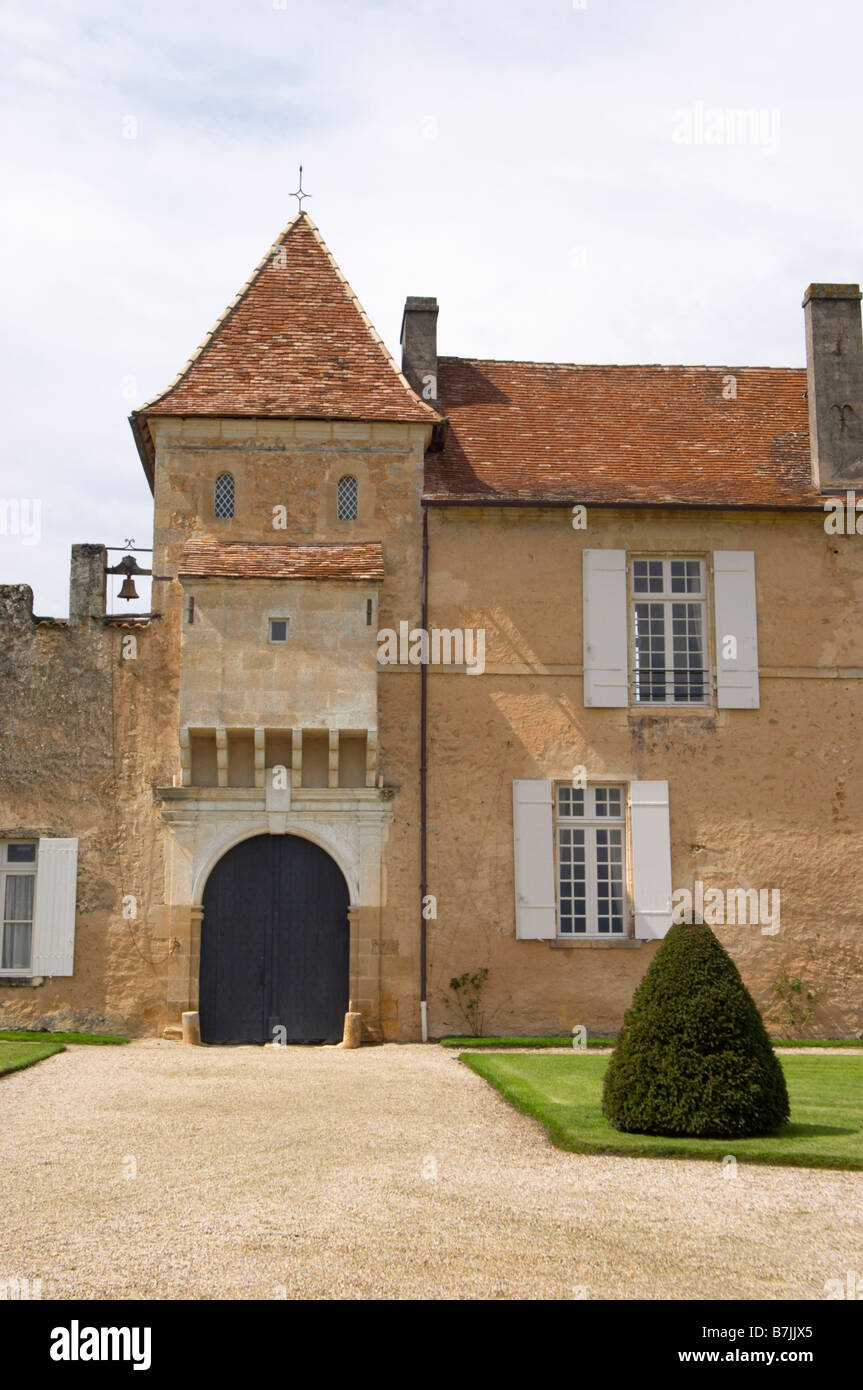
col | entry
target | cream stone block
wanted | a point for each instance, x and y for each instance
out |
(371, 757)
(313, 429)
(185, 757)
(197, 428)
(222, 756)
(275, 429)
(260, 756)
(390, 432)
(238, 429)
(165, 431)
(351, 429)
(297, 759)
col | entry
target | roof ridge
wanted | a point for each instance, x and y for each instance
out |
(626, 366)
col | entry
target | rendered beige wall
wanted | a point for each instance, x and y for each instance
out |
(759, 798)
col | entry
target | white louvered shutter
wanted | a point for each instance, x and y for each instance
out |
(735, 616)
(651, 858)
(54, 912)
(533, 832)
(605, 629)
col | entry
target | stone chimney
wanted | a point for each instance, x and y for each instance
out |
(419, 346)
(834, 365)
(87, 583)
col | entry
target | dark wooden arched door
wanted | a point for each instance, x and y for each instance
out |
(274, 944)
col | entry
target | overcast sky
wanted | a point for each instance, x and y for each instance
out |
(569, 180)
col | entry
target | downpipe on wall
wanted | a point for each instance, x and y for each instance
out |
(423, 767)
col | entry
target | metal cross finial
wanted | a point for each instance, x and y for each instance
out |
(300, 195)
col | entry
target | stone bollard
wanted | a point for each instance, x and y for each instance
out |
(191, 1027)
(353, 1030)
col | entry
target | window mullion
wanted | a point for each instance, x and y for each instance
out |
(668, 626)
(591, 897)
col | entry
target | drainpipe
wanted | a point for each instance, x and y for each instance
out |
(423, 769)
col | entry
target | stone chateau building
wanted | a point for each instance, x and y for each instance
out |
(472, 665)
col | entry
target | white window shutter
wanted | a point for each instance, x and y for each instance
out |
(650, 829)
(54, 912)
(533, 830)
(605, 629)
(735, 617)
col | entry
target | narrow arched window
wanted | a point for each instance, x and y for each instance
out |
(349, 496)
(223, 495)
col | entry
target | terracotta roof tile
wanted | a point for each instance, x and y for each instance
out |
(294, 343)
(129, 620)
(533, 431)
(250, 560)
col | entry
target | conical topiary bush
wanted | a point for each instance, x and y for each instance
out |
(693, 1057)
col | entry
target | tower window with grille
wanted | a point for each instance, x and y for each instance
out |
(349, 497)
(224, 495)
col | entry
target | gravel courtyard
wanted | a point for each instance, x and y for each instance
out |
(163, 1171)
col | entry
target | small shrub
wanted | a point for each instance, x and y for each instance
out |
(693, 1057)
(467, 989)
(793, 1003)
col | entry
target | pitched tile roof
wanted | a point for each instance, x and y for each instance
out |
(532, 431)
(294, 344)
(249, 560)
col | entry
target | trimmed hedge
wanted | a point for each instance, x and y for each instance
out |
(693, 1057)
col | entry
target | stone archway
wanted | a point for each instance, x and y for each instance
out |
(203, 829)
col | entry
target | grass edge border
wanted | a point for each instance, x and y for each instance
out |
(561, 1139)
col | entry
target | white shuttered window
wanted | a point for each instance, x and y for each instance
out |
(646, 637)
(605, 640)
(651, 858)
(736, 626)
(571, 857)
(54, 913)
(533, 835)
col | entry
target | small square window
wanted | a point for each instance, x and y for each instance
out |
(278, 630)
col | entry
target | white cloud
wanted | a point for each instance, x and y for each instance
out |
(516, 159)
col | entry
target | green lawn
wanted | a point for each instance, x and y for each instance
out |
(522, 1042)
(31, 1036)
(566, 1041)
(15, 1055)
(565, 1093)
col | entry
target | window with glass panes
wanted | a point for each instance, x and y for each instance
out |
(348, 500)
(223, 496)
(591, 860)
(669, 631)
(17, 895)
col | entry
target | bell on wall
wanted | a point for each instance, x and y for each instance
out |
(127, 567)
(127, 588)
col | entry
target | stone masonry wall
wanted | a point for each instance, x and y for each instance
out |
(78, 759)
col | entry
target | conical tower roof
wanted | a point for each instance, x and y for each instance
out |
(295, 343)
